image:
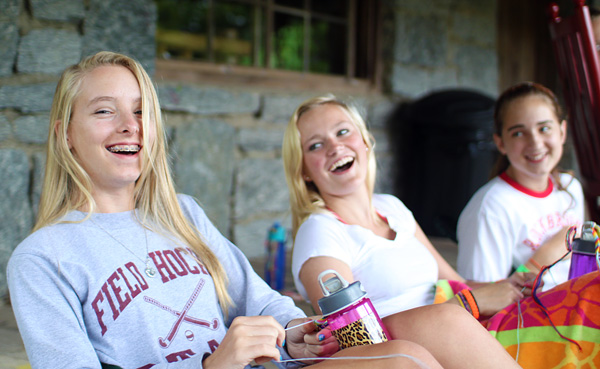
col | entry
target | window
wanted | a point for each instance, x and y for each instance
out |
(332, 37)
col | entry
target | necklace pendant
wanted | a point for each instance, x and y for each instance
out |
(150, 272)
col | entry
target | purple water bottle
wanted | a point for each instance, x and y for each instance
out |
(349, 313)
(583, 256)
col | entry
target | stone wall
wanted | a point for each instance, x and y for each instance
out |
(225, 143)
(441, 44)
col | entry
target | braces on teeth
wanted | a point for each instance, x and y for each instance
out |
(123, 148)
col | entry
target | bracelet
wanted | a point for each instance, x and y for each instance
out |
(467, 300)
(463, 301)
(535, 263)
(472, 302)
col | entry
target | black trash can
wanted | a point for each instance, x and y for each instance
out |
(446, 153)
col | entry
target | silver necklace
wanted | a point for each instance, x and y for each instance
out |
(150, 271)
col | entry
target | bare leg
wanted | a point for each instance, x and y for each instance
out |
(451, 334)
(424, 359)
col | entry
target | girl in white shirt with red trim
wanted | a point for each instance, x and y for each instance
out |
(518, 220)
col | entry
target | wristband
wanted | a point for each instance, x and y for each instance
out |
(535, 263)
(462, 301)
(467, 300)
(472, 303)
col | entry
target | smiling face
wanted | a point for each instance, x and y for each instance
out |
(532, 138)
(105, 130)
(334, 152)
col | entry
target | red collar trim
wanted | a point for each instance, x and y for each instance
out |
(336, 215)
(526, 190)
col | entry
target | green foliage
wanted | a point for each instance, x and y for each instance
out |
(320, 50)
(289, 47)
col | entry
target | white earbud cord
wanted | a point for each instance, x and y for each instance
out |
(421, 364)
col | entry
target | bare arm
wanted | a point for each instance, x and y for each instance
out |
(313, 267)
(552, 250)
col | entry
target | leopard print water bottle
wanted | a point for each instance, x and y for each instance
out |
(349, 313)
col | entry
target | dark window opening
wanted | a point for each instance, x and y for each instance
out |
(335, 37)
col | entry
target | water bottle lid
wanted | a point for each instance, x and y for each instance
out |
(581, 246)
(337, 293)
(276, 233)
(587, 231)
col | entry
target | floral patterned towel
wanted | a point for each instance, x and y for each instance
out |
(574, 308)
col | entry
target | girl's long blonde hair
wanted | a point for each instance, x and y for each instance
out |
(68, 187)
(305, 198)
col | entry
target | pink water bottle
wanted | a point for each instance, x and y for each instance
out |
(349, 313)
(583, 258)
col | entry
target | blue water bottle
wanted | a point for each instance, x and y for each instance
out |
(275, 264)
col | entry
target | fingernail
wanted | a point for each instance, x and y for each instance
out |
(281, 358)
(321, 337)
(283, 344)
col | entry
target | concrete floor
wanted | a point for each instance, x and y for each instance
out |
(12, 352)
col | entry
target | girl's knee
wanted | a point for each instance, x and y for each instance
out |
(429, 320)
(400, 347)
(406, 354)
(393, 354)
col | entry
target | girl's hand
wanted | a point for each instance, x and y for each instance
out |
(494, 297)
(523, 281)
(248, 338)
(306, 341)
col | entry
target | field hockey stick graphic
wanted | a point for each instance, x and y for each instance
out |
(165, 342)
(189, 319)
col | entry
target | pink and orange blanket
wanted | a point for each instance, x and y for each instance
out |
(528, 334)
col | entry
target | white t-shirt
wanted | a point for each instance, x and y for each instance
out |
(397, 274)
(504, 223)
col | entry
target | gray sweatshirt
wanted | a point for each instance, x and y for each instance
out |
(81, 295)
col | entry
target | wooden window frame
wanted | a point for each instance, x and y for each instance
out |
(206, 72)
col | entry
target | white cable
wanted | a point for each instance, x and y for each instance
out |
(299, 325)
(519, 322)
(417, 361)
